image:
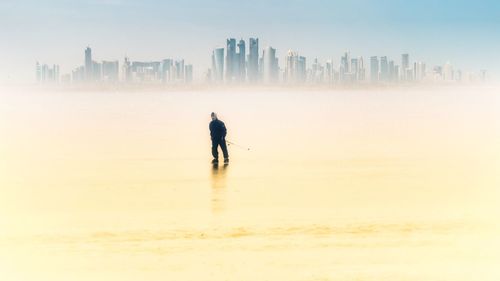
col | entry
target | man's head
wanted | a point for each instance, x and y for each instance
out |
(214, 116)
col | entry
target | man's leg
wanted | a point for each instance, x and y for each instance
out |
(215, 153)
(223, 146)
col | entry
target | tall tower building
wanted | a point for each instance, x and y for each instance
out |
(241, 61)
(344, 66)
(188, 73)
(218, 64)
(253, 60)
(384, 69)
(127, 73)
(270, 65)
(167, 69)
(361, 72)
(405, 64)
(374, 68)
(89, 72)
(231, 59)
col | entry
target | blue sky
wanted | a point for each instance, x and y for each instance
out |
(56, 31)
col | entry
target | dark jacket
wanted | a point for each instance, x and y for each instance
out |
(217, 129)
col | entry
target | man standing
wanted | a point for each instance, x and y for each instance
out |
(218, 134)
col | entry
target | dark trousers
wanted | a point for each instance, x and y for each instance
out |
(222, 143)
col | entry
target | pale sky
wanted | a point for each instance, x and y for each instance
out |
(57, 31)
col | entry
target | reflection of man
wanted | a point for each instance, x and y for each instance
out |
(219, 187)
(218, 134)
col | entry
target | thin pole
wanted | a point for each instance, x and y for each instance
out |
(237, 145)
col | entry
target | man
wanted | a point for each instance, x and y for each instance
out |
(218, 134)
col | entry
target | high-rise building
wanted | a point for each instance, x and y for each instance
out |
(295, 68)
(374, 69)
(167, 69)
(38, 72)
(419, 71)
(97, 71)
(46, 74)
(405, 64)
(241, 61)
(391, 71)
(448, 72)
(179, 70)
(253, 60)
(232, 61)
(345, 69)
(218, 64)
(146, 71)
(89, 73)
(78, 75)
(110, 70)
(361, 71)
(188, 75)
(354, 69)
(127, 73)
(384, 69)
(329, 71)
(270, 67)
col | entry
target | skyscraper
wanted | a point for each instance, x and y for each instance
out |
(167, 68)
(405, 64)
(384, 69)
(354, 69)
(110, 71)
(374, 68)
(89, 73)
(253, 60)
(231, 59)
(179, 70)
(218, 64)
(269, 65)
(361, 71)
(344, 70)
(188, 75)
(241, 61)
(391, 71)
(127, 73)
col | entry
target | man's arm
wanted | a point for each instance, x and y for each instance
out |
(224, 130)
(211, 128)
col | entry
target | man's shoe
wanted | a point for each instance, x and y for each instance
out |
(226, 160)
(215, 161)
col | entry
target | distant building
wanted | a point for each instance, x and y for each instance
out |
(78, 74)
(188, 74)
(374, 69)
(167, 69)
(270, 69)
(232, 62)
(47, 74)
(253, 60)
(96, 71)
(384, 69)
(361, 69)
(110, 71)
(405, 65)
(145, 71)
(218, 64)
(295, 68)
(419, 71)
(345, 69)
(127, 70)
(89, 72)
(179, 70)
(241, 75)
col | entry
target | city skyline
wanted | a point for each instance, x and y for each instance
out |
(435, 31)
(232, 65)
